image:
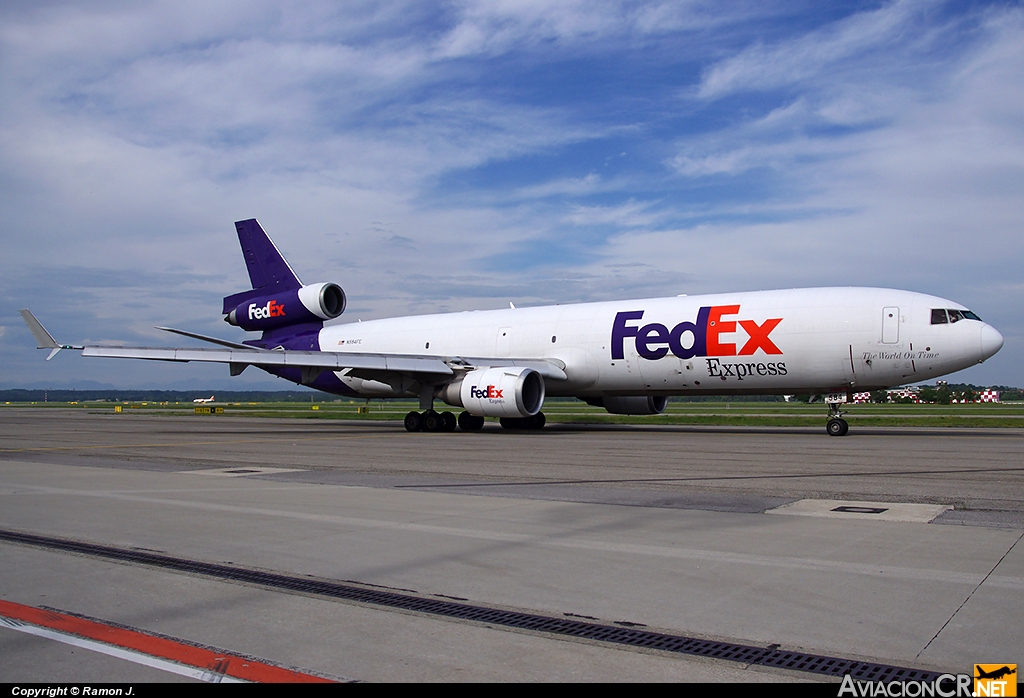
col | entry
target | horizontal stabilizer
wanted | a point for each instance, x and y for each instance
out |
(205, 338)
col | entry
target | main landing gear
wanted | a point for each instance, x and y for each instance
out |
(430, 420)
(836, 425)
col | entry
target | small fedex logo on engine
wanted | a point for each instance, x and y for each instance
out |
(490, 392)
(702, 337)
(271, 309)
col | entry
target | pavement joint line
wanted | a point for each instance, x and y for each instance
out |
(615, 481)
(160, 652)
(968, 597)
(191, 443)
(579, 544)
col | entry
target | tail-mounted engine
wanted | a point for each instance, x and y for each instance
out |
(631, 404)
(315, 302)
(513, 391)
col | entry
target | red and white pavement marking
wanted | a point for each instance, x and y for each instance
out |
(158, 652)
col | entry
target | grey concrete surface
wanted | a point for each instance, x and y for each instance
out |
(661, 527)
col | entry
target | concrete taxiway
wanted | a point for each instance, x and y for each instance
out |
(711, 533)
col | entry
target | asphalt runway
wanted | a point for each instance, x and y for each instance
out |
(723, 534)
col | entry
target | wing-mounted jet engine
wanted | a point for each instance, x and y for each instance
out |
(513, 393)
(630, 404)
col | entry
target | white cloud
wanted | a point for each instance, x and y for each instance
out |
(574, 186)
(819, 53)
(632, 214)
(375, 142)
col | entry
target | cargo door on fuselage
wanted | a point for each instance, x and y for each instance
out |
(890, 325)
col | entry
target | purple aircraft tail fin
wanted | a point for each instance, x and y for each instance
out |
(268, 270)
(288, 314)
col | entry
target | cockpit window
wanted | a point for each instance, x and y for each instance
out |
(942, 316)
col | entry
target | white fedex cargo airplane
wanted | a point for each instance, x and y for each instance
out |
(626, 356)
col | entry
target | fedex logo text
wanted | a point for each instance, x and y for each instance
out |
(653, 341)
(271, 309)
(489, 392)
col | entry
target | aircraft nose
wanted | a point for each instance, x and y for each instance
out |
(991, 341)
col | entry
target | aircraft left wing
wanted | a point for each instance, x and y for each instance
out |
(239, 356)
(278, 357)
(366, 365)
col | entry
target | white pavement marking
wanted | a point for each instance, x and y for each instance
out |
(119, 652)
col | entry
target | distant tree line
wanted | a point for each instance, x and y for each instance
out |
(22, 395)
(945, 394)
(942, 394)
(729, 398)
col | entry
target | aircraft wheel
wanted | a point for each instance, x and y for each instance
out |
(432, 421)
(449, 421)
(537, 421)
(837, 427)
(413, 421)
(470, 422)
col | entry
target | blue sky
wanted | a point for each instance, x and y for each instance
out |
(447, 156)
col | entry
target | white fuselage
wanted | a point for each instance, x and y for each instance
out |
(763, 342)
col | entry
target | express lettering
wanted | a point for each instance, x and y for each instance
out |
(489, 392)
(271, 309)
(689, 339)
(720, 369)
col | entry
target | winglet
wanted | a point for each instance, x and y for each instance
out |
(44, 339)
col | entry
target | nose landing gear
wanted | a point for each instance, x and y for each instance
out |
(836, 425)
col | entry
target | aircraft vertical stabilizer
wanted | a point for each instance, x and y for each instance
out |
(268, 269)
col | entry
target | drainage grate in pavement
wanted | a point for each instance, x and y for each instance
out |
(635, 637)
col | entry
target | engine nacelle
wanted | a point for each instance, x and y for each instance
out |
(511, 391)
(632, 404)
(323, 301)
